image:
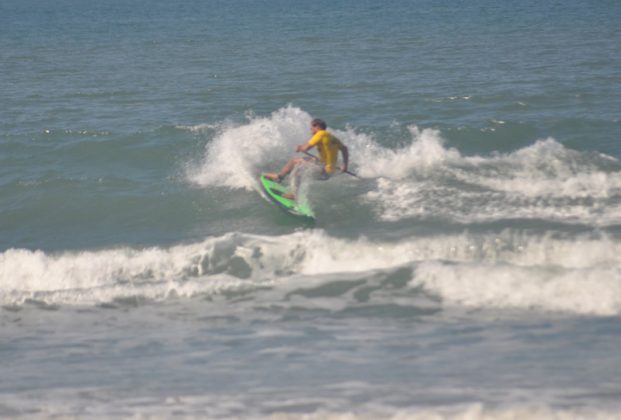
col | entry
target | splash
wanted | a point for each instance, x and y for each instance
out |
(239, 153)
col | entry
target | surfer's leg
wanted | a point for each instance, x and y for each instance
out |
(285, 170)
(273, 176)
(303, 166)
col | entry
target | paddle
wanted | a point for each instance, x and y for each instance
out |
(315, 157)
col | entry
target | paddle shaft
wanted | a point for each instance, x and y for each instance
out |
(315, 157)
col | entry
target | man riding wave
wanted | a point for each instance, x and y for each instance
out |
(327, 145)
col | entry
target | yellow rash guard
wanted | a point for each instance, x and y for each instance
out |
(328, 147)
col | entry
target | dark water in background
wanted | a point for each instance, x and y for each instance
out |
(473, 270)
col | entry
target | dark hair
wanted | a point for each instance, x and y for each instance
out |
(319, 123)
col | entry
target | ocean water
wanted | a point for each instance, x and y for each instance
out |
(472, 271)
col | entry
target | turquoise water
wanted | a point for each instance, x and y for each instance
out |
(472, 270)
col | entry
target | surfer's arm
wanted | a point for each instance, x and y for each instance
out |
(304, 147)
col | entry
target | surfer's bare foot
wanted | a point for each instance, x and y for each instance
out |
(273, 176)
(289, 196)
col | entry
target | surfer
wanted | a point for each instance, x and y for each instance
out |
(328, 146)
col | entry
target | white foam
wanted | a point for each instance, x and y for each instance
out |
(463, 412)
(358, 401)
(547, 168)
(507, 271)
(424, 153)
(578, 291)
(200, 128)
(579, 274)
(87, 278)
(542, 181)
(397, 200)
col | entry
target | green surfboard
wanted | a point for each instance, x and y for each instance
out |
(275, 191)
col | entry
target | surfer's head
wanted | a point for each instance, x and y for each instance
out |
(319, 124)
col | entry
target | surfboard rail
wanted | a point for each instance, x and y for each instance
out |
(275, 191)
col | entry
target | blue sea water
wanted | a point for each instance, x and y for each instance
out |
(473, 270)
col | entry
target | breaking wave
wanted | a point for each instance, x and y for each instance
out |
(510, 270)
